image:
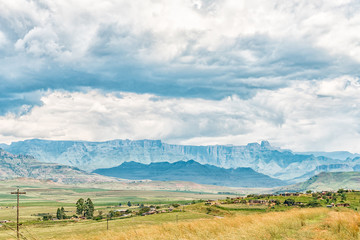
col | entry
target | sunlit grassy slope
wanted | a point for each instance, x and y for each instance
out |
(312, 223)
(292, 224)
(327, 181)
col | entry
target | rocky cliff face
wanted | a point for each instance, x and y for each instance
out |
(13, 166)
(89, 156)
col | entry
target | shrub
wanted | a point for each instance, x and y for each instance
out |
(47, 217)
(313, 204)
(289, 202)
(144, 210)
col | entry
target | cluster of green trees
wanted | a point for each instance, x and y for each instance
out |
(85, 208)
(60, 213)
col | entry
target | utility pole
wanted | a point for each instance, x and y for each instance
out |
(107, 222)
(17, 214)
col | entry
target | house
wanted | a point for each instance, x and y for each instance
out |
(257, 202)
(149, 213)
(289, 194)
(4, 221)
(210, 202)
(239, 198)
(342, 205)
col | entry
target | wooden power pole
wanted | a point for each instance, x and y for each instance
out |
(107, 222)
(17, 214)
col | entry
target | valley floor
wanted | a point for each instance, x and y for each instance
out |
(179, 215)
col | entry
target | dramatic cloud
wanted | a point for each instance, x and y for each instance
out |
(301, 117)
(208, 49)
(198, 71)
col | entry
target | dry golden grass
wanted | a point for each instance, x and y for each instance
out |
(274, 225)
(340, 225)
(295, 224)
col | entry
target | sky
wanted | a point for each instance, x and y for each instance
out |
(194, 72)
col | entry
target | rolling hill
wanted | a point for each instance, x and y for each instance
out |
(191, 171)
(327, 181)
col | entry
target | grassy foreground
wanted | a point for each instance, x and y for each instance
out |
(231, 217)
(296, 223)
(317, 223)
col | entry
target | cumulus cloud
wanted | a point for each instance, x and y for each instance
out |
(192, 72)
(194, 48)
(313, 115)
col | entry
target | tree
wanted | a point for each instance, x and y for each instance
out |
(341, 190)
(111, 214)
(60, 213)
(129, 203)
(89, 209)
(343, 197)
(47, 217)
(80, 205)
(144, 210)
(314, 204)
(289, 202)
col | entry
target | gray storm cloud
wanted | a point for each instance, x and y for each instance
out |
(281, 64)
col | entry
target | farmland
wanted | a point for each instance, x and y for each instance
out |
(178, 214)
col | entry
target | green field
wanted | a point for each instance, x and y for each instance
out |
(191, 208)
(44, 198)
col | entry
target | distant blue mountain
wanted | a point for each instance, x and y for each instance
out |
(341, 155)
(191, 171)
(15, 166)
(262, 158)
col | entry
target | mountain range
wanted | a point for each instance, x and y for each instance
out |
(262, 158)
(15, 166)
(341, 155)
(192, 171)
(25, 166)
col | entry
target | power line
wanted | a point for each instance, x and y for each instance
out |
(8, 227)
